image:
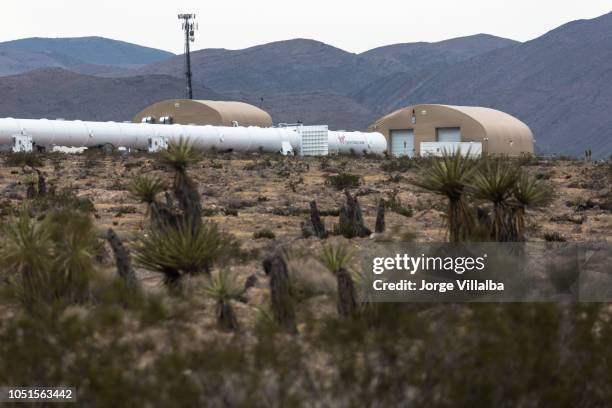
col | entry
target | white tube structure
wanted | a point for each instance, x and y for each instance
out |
(138, 136)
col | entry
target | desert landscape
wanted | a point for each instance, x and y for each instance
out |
(277, 204)
(217, 339)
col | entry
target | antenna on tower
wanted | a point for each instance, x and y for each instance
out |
(189, 28)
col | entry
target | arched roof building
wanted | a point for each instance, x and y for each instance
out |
(499, 132)
(198, 112)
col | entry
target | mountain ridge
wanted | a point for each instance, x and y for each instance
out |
(558, 83)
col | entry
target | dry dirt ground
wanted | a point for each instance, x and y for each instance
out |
(244, 194)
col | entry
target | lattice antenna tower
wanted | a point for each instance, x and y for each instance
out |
(189, 29)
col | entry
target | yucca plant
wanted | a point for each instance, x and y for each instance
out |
(494, 181)
(75, 246)
(26, 252)
(223, 287)
(448, 176)
(338, 259)
(179, 156)
(175, 251)
(145, 189)
(335, 257)
(528, 192)
(51, 259)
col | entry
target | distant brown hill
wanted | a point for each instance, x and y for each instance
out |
(56, 93)
(77, 53)
(306, 65)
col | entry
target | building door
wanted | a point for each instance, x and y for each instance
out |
(402, 142)
(450, 134)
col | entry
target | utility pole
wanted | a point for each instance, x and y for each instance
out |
(189, 28)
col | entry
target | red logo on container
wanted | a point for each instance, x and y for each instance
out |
(342, 139)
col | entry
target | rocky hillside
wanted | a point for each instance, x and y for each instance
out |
(74, 53)
(56, 93)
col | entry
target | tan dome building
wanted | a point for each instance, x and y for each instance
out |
(498, 132)
(195, 112)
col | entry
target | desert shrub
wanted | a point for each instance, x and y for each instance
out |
(263, 164)
(403, 355)
(343, 181)
(120, 211)
(335, 257)
(527, 159)
(339, 259)
(146, 188)
(49, 260)
(65, 199)
(308, 280)
(184, 250)
(554, 237)
(223, 287)
(400, 164)
(23, 159)
(543, 175)
(494, 182)
(449, 176)
(264, 233)
(527, 192)
(395, 204)
(179, 155)
(293, 183)
(230, 212)
(209, 212)
(394, 178)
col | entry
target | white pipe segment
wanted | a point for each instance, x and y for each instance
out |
(137, 135)
(356, 142)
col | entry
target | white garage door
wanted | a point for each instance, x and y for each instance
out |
(402, 143)
(449, 134)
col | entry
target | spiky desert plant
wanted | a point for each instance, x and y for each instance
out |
(179, 156)
(494, 181)
(26, 252)
(528, 192)
(175, 251)
(223, 287)
(448, 176)
(75, 246)
(338, 259)
(145, 189)
(335, 257)
(50, 259)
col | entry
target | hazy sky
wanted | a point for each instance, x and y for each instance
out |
(351, 25)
